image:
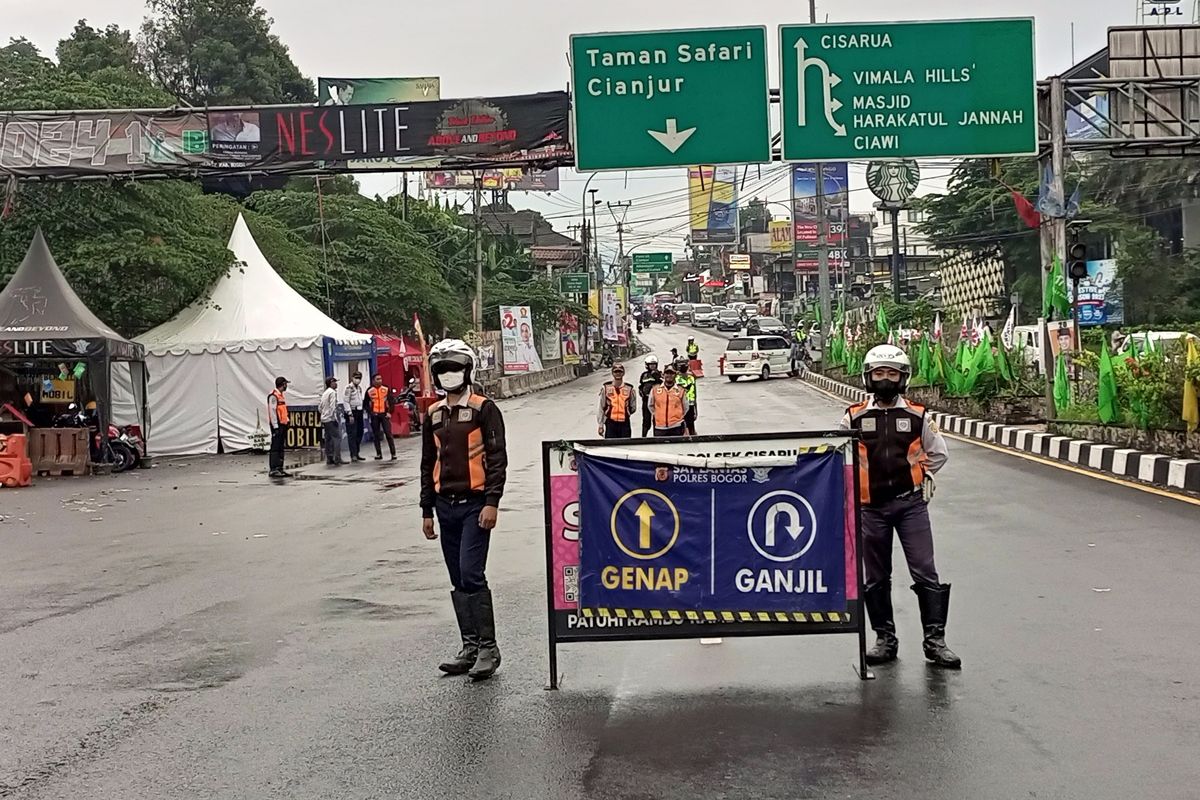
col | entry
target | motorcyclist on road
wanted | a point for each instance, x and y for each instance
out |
(901, 448)
(649, 378)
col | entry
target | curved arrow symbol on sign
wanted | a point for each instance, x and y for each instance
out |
(792, 526)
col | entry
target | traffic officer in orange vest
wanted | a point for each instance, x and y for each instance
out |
(277, 415)
(670, 405)
(617, 404)
(899, 450)
(464, 462)
(378, 406)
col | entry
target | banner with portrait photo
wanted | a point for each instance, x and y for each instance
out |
(712, 204)
(516, 337)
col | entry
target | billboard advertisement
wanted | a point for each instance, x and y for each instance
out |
(712, 204)
(781, 235)
(376, 91)
(836, 181)
(515, 179)
(283, 139)
(516, 336)
(1101, 295)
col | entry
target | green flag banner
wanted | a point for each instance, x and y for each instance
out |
(1062, 388)
(1054, 297)
(881, 322)
(1106, 390)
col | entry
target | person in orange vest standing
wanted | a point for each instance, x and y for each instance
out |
(277, 414)
(464, 464)
(378, 405)
(617, 404)
(669, 403)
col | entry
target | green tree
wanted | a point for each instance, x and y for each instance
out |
(374, 270)
(210, 52)
(88, 50)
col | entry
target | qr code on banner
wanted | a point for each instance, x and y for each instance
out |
(571, 584)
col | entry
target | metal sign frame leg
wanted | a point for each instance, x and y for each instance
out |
(552, 637)
(864, 672)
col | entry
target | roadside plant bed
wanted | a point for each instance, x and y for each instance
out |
(1173, 442)
(1011, 410)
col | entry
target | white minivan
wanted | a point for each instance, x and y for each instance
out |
(759, 356)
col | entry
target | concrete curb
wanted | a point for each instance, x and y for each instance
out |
(517, 385)
(1175, 474)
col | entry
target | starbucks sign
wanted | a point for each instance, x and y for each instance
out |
(893, 181)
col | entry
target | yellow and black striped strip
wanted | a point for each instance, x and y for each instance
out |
(659, 615)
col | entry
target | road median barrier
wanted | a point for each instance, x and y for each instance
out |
(1156, 469)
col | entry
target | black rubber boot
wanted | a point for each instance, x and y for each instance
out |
(470, 640)
(878, 600)
(488, 660)
(934, 600)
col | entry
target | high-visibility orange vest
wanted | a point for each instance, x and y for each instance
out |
(668, 407)
(448, 430)
(378, 395)
(618, 400)
(281, 407)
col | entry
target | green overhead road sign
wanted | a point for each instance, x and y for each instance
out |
(908, 89)
(652, 262)
(575, 283)
(670, 98)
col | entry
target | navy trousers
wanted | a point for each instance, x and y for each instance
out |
(464, 543)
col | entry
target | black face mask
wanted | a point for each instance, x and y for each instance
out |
(886, 391)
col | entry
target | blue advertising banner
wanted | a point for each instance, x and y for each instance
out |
(751, 539)
(836, 179)
(1101, 295)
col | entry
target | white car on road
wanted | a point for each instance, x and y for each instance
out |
(758, 356)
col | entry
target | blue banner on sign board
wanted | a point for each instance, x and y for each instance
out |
(705, 539)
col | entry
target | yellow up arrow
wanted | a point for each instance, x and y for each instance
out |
(644, 513)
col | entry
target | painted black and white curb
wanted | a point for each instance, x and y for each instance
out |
(1152, 468)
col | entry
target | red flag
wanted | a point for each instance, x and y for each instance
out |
(426, 377)
(1026, 211)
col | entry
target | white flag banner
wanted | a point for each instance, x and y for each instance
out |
(937, 326)
(1007, 336)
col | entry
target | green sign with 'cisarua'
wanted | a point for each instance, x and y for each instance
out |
(670, 98)
(908, 89)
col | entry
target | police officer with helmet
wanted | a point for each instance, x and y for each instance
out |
(464, 461)
(899, 451)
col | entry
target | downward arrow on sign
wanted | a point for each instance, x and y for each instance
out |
(673, 138)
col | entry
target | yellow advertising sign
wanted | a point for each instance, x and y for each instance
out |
(60, 391)
(781, 236)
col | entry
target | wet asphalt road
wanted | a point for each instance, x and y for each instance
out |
(195, 631)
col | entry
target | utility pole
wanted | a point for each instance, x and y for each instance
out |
(624, 206)
(822, 227)
(1054, 231)
(404, 189)
(477, 317)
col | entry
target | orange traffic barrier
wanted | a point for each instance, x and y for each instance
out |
(696, 367)
(721, 365)
(15, 467)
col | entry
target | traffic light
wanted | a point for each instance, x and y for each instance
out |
(1077, 261)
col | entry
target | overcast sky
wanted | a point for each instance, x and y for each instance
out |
(481, 47)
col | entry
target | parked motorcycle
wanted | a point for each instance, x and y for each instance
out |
(117, 447)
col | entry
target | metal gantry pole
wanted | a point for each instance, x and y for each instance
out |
(477, 318)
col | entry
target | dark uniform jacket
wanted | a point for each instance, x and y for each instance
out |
(898, 448)
(463, 452)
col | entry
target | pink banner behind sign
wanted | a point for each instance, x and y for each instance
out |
(564, 516)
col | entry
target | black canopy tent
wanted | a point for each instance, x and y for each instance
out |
(43, 320)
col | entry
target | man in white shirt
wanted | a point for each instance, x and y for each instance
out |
(332, 434)
(354, 415)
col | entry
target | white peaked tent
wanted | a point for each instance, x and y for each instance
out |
(212, 366)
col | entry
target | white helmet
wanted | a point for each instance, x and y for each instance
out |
(450, 355)
(886, 355)
(652, 361)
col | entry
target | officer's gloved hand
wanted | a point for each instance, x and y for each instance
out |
(927, 488)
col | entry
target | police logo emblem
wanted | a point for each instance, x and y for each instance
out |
(465, 415)
(761, 474)
(904, 425)
(662, 474)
